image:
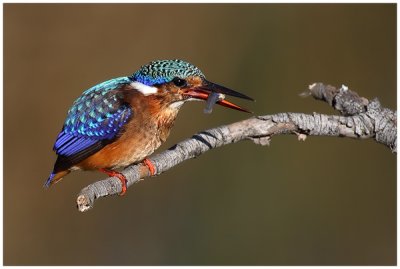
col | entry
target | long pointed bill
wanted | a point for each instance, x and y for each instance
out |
(214, 93)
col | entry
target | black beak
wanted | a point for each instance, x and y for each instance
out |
(208, 88)
(213, 87)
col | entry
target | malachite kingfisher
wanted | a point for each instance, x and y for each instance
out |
(123, 120)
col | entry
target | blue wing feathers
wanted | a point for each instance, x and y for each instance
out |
(97, 115)
(68, 144)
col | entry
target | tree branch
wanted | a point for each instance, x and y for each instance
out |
(360, 119)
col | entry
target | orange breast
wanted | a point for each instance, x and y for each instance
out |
(148, 128)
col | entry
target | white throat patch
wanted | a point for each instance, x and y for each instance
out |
(143, 88)
(176, 105)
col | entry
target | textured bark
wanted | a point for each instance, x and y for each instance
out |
(360, 118)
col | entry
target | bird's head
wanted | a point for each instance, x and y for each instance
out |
(176, 81)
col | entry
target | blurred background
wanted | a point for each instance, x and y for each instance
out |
(325, 201)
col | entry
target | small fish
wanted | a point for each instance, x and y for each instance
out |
(212, 99)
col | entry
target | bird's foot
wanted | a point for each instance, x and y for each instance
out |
(150, 165)
(120, 176)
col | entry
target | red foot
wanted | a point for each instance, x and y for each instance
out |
(120, 176)
(150, 165)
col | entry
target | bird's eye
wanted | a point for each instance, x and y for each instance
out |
(179, 82)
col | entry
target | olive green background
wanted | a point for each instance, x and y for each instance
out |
(325, 201)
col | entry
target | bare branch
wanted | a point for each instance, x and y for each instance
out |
(360, 119)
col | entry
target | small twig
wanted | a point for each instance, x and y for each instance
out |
(360, 119)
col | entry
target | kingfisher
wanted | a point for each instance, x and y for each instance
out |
(123, 120)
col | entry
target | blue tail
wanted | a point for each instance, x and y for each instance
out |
(55, 177)
(49, 180)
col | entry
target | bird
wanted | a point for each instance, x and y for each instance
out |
(124, 120)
